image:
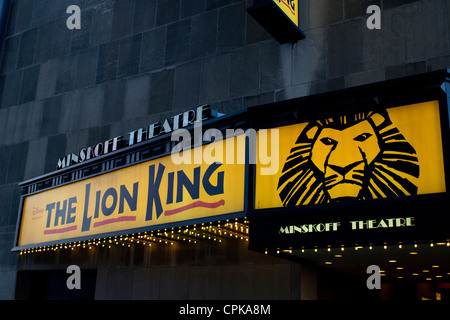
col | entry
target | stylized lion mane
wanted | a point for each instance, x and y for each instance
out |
(391, 174)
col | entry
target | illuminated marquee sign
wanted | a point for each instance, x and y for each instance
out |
(388, 153)
(361, 178)
(323, 170)
(150, 195)
(279, 17)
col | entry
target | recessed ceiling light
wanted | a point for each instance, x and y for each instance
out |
(425, 270)
(338, 255)
(392, 260)
(415, 274)
(399, 268)
(413, 252)
(435, 266)
(328, 262)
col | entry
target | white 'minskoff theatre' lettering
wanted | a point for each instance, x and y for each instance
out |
(383, 223)
(312, 227)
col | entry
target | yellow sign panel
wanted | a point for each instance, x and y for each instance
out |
(387, 153)
(153, 193)
(290, 9)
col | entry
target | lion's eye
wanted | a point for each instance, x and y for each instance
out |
(363, 137)
(328, 141)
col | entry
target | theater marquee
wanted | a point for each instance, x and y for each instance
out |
(150, 195)
(362, 165)
(371, 177)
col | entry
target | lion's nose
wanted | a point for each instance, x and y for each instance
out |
(344, 170)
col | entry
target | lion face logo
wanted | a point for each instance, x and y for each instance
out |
(363, 156)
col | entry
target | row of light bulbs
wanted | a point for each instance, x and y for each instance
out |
(425, 272)
(385, 247)
(192, 234)
(356, 247)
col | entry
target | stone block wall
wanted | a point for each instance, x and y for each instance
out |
(134, 62)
